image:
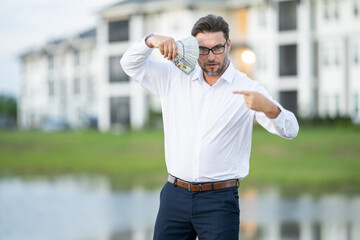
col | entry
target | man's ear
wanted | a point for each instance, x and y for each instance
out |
(229, 44)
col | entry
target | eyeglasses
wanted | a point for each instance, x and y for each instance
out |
(218, 49)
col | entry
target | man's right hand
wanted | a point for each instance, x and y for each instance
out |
(166, 45)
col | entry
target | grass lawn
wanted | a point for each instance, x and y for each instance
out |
(321, 158)
(318, 159)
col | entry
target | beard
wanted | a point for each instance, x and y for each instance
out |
(214, 72)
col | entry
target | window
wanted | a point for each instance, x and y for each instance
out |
(288, 60)
(51, 88)
(337, 57)
(116, 72)
(356, 54)
(91, 90)
(90, 57)
(326, 10)
(119, 31)
(336, 10)
(119, 111)
(331, 55)
(262, 15)
(316, 230)
(327, 105)
(356, 104)
(76, 58)
(337, 104)
(261, 59)
(63, 92)
(325, 56)
(290, 230)
(51, 62)
(331, 9)
(287, 15)
(76, 85)
(288, 100)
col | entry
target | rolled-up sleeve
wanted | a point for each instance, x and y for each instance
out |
(285, 124)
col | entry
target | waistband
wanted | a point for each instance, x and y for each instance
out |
(199, 187)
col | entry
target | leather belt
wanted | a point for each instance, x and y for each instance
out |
(199, 187)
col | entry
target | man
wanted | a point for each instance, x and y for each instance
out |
(208, 119)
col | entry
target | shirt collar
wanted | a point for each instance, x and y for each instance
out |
(228, 75)
(197, 73)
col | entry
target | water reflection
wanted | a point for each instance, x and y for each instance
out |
(81, 208)
(267, 216)
(70, 208)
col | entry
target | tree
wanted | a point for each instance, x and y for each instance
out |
(8, 109)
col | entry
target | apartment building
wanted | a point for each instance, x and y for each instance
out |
(307, 56)
(59, 84)
(124, 102)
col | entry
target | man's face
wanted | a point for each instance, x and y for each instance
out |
(213, 64)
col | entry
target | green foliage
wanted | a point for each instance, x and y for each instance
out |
(8, 107)
(154, 120)
(338, 121)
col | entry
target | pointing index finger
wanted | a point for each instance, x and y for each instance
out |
(241, 92)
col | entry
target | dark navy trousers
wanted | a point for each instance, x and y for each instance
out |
(210, 215)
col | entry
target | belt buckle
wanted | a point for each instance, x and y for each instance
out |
(189, 186)
(197, 184)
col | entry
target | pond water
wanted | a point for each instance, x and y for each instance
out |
(83, 208)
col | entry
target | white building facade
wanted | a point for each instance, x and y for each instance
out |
(338, 36)
(124, 102)
(59, 84)
(307, 56)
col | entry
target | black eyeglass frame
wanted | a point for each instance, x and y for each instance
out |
(211, 49)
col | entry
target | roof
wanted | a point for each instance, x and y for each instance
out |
(189, 3)
(89, 34)
(123, 2)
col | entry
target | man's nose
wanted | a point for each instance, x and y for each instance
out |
(211, 56)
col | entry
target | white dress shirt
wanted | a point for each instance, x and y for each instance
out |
(207, 128)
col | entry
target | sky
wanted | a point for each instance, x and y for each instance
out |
(27, 24)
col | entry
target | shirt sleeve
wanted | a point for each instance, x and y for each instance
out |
(285, 124)
(151, 74)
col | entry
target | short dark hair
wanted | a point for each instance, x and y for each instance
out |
(211, 23)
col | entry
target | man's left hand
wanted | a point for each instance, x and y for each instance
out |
(258, 102)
